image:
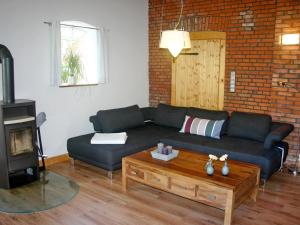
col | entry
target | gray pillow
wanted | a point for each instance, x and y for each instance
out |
(121, 119)
(252, 126)
(170, 116)
(210, 115)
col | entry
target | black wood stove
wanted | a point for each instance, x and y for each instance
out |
(18, 150)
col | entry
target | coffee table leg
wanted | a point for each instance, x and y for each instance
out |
(255, 190)
(254, 194)
(229, 208)
(124, 178)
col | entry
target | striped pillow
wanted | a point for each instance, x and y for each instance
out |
(203, 127)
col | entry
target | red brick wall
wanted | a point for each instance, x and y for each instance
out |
(253, 28)
(285, 102)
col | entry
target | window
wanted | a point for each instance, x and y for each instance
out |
(78, 54)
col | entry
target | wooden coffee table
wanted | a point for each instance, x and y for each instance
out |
(185, 176)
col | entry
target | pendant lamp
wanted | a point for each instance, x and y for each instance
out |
(175, 40)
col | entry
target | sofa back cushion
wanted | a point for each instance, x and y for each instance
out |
(170, 116)
(203, 127)
(249, 125)
(96, 123)
(118, 120)
(148, 113)
(208, 114)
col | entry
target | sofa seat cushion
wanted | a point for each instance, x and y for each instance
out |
(252, 126)
(109, 156)
(119, 120)
(238, 149)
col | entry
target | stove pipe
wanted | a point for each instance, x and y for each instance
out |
(8, 86)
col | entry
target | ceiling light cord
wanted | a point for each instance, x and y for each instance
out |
(179, 15)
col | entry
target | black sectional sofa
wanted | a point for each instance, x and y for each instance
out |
(247, 137)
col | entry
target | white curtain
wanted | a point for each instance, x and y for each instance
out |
(55, 54)
(103, 55)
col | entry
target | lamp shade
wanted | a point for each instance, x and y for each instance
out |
(175, 41)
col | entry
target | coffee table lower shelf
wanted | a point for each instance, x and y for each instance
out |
(224, 197)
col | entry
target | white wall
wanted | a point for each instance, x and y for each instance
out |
(22, 30)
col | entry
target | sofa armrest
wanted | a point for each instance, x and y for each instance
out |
(278, 132)
(96, 123)
(148, 113)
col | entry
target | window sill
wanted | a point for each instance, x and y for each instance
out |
(77, 85)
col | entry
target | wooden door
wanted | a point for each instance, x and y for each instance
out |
(198, 73)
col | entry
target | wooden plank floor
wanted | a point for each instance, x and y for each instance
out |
(101, 201)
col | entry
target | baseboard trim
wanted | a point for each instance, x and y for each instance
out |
(55, 159)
